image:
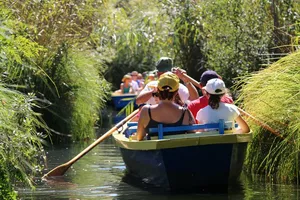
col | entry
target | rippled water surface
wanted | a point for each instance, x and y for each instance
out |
(101, 175)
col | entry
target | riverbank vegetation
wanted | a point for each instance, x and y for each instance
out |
(60, 59)
(277, 93)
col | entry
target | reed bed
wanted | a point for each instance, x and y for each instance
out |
(273, 96)
(21, 151)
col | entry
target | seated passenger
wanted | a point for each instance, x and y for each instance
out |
(135, 83)
(195, 105)
(217, 110)
(166, 112)
(140, 80)
(126, 86)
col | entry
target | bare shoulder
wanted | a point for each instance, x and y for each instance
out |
(145, 109)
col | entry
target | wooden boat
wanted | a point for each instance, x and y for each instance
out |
(184, 162)
(121, 100)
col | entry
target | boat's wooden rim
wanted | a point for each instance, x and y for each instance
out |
(116, 94)
(182, 140)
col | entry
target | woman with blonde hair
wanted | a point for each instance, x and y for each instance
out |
(126, 86)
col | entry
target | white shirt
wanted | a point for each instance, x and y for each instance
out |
(226, 111)
(135, 85)
(182, 91)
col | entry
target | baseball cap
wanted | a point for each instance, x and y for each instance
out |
(215, 86)
(207, 75)
(168, 80)
(164, 64)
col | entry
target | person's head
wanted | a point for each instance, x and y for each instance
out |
(139, 76)
(215, 89)
(134, 75)
(206, 76)
(126, 79)
(151, 77)
(164, 64)
(167, 86)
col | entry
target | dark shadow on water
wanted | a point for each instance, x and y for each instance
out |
(213, 193)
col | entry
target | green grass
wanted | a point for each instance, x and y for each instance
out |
(272, 95)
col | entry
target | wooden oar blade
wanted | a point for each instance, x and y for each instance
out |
(58, 171)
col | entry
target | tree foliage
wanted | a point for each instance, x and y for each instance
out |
(64, 51)
(63, 27)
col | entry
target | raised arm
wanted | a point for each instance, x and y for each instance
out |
(192, 90)
(146, 93)
(143, 97)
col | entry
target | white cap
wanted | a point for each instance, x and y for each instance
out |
(215, 86)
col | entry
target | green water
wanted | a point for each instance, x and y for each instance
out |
(100, 174)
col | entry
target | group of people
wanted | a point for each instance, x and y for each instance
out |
(134, 82)
(172, 103)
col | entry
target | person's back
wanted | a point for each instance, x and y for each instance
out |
(196, 105)
(166, 114)
(217, 110)
(166, 111)
(225, 111)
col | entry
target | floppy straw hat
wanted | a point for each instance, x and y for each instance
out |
(169, 80)
(215, 86)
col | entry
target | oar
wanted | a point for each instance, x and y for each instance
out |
(263, 125)
(61, 169)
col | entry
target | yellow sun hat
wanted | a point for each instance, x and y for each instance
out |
(168, 80)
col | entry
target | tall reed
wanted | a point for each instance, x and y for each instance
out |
(21, 151)
(272, 95)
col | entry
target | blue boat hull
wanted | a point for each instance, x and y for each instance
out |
(187, 168)
(121, 101)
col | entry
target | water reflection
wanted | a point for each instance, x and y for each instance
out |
(101, 175)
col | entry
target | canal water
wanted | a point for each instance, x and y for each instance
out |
(100, 174)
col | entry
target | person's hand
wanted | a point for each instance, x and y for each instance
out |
(154, 88)
(180, 73)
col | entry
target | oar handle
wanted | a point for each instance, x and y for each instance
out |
(266, 126)
(103, 137)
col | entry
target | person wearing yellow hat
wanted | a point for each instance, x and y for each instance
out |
(166, 112)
